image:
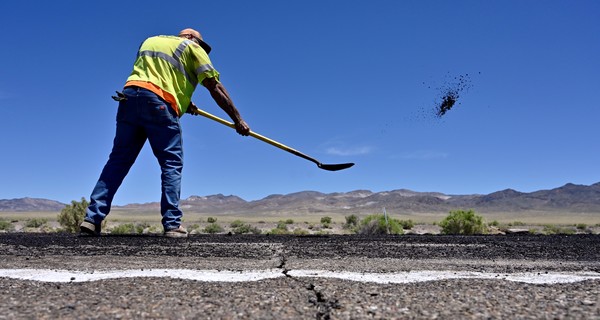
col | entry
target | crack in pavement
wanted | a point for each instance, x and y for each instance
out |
(323, 303)
(319, 299)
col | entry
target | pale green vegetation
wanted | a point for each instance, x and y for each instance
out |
(72, 215)
(194, 227)
(36, 222)
(554, 229)
(236, 223)
(516, 224)
(378, 224)
(211, 220)
(125, 228)
(281, 227)
(463, 222)
(300, 232)
(136, 222)
(213, 228)
(5, 225)
(326, 222)
(246, 228)
(351, 222)
(407, 224)
(278, 231)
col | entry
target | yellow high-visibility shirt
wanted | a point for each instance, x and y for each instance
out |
(171, 67)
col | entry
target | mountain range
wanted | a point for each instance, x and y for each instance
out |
(568, 198)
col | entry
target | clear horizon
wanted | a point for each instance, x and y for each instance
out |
(248, 200)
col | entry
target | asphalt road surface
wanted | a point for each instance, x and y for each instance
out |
(52, 276)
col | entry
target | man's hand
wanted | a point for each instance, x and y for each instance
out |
(242, 128)
(192, 109)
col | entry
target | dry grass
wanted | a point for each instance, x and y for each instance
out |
(151, 217)
(23, 216)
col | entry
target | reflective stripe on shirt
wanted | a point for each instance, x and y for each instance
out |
(175, 61)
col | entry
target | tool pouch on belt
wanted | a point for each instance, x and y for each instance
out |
(119, 97)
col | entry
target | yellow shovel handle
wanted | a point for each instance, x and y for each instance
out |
(330, 167)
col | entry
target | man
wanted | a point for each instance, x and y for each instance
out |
(157, 93)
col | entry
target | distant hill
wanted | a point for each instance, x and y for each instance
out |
(568, 198)
(30, 204)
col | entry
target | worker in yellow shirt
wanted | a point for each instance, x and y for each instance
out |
(156, 94)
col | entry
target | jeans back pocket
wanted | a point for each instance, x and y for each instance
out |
(160, 113)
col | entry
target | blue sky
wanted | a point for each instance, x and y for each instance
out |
(342, 81)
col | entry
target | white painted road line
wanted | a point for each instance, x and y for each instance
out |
(424, 275)
(46, 275)
(83, 276)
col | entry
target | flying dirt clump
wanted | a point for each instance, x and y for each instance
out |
(451, 92)
(447, 104)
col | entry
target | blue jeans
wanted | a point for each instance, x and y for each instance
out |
(143, 116)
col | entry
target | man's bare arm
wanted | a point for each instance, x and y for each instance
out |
(223, 100)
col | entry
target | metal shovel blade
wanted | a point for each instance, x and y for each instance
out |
(335, 167)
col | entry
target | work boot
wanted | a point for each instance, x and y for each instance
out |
(89, 229)
(179, 232)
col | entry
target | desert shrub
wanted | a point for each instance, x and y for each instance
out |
(125, 228)
(236, 223)
(36, 222)
(211, 220)
(140, 227)
(351, 222)
(48, 229)
(326, 220)
(463, 222)
(5, 225)
(516, 224)
(300, 232)
(155, 229)
(213, 228)
(550, 229)
(246, 228)
(279, 231)
(281, 228)
(494, 223)
(289, 221)
(581, 226)
(376, 224)
(282, 225)
(407, 224)
(71, 216)
(566, 230)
